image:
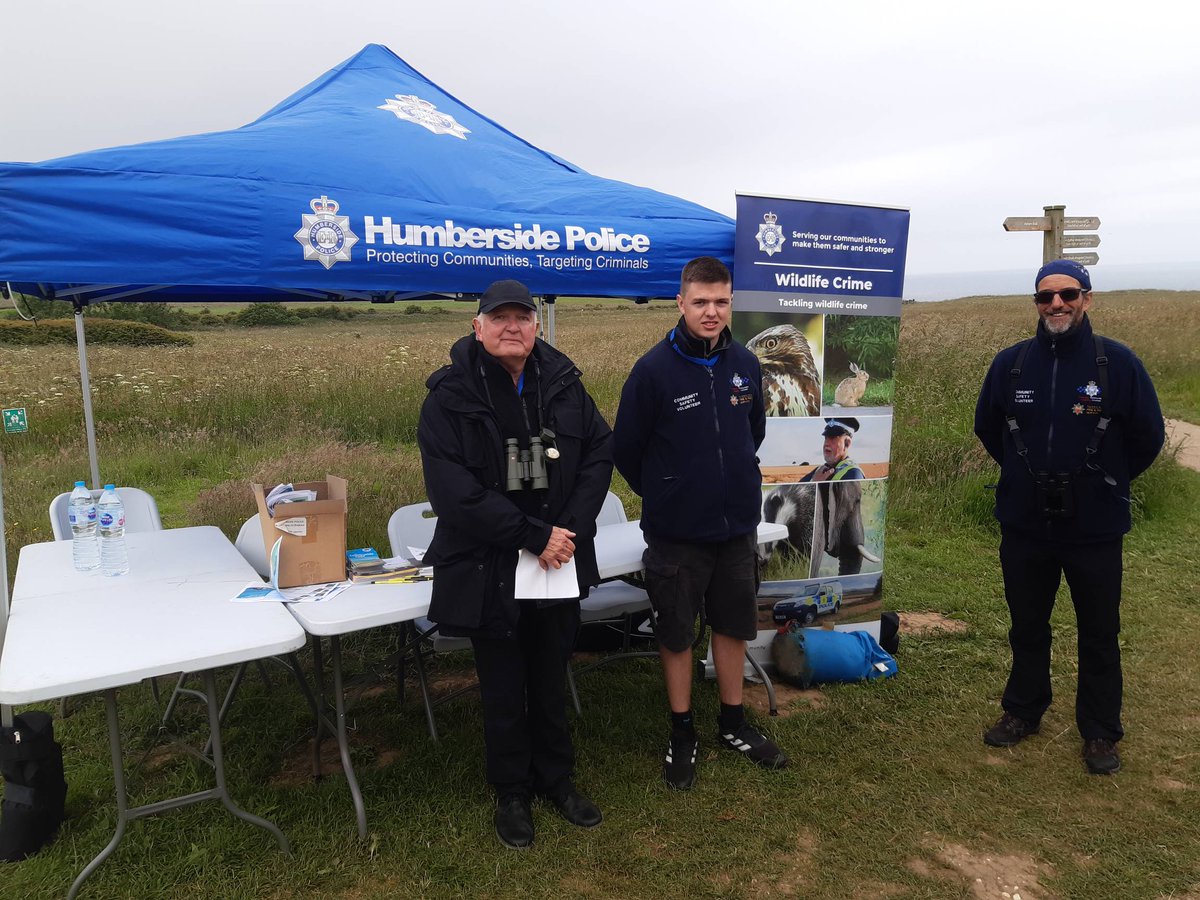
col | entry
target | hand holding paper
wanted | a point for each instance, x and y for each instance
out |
(559, 549)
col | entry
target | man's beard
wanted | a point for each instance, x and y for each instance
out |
(1060, 327)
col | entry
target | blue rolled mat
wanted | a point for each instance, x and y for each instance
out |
(807, 656)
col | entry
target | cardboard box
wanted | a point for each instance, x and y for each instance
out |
(314, 534)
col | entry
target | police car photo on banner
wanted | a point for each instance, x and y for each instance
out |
(817, 297)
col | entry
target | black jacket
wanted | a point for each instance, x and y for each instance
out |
(1057, 404)
(687, 435)
(479, 529)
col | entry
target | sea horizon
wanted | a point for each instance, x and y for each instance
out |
(951, 285)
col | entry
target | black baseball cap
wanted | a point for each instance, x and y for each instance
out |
(503, 293)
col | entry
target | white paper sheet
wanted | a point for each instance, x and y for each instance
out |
(536, 583)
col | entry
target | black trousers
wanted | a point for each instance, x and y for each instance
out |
(522, 683)
(1032, 569)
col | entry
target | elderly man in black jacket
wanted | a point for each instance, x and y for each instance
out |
(517, 459)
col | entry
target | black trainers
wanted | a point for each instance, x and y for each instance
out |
(753, 745)
(1101, 756)
(679, 767)
(514, 821)
(1009, 731)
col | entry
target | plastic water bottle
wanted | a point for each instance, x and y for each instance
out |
(82, 514)
(114, 558)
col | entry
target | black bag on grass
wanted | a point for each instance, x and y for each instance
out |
(35, 790)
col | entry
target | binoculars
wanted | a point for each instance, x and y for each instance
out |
(523, 466)
(1055, 495)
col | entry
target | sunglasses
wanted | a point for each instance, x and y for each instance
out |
(1069, 295)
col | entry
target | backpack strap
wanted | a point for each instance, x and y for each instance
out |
(1014, 429)
(1093, 444)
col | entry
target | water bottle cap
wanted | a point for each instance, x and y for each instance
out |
(80, 484)
(109, 487)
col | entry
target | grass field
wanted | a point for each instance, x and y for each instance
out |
(891, 795)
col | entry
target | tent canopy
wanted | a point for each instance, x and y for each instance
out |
(370, 182)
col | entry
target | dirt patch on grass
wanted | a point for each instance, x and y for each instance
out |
(449, 682)
(794, 880)
(790, 700)
(1186, 438)
(296, 767)
(923, 624)
(878, 890)
(162, 756)
(987, 876)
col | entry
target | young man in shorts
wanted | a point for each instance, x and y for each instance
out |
(688, 428)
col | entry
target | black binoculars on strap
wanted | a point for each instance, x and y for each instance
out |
(1055, 494)
(523, 466)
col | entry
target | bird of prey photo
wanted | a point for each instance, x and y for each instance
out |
(790, 380)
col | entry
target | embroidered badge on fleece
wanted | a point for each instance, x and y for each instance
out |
(740, 390)
(1088, 401)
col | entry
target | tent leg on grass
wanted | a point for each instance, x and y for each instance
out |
(85, 383)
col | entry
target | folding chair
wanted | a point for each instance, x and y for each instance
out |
(615, 602)
(410, 528)
(619, 600)
(141, 512)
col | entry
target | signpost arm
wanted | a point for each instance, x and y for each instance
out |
(1054, 242)
(1052, 238)
(86, 385)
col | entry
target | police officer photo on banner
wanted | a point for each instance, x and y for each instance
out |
(794, 448)
(834, 513)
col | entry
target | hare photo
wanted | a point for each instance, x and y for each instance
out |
(850, 390)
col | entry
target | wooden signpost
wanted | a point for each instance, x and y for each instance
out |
(1054, 242)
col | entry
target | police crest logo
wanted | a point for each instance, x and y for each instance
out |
(1089, 400)
(770, 235)
(326, 236)
(411, 108)
(741, 390)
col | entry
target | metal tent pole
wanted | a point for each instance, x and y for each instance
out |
(5, 711)
(86, 385)
(548, 303)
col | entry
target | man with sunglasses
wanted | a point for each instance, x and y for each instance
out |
(1071, 418)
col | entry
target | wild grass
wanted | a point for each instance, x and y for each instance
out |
(888, 781)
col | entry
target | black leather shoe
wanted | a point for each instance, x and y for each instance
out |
(1009, 731)
(576, 808)
(1101, 757)
(514, 821)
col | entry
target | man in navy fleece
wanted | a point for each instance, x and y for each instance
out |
(1071, 418)
(688, 428)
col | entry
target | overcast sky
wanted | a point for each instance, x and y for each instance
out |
(964, 112)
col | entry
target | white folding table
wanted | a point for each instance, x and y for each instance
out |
(358, 607)
(72, 633)
(619, 549)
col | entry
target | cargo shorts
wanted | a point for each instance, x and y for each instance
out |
(716, 580)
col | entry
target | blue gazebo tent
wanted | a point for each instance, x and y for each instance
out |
(370, 182)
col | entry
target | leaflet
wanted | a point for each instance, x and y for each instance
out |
(535, 583)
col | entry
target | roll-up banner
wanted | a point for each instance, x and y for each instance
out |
(817, 296)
